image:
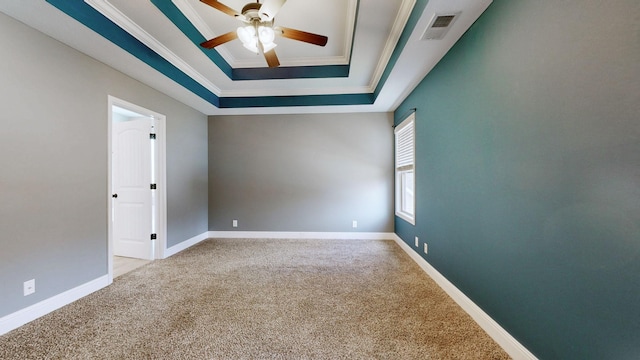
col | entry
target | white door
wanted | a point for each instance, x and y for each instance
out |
(132, 194)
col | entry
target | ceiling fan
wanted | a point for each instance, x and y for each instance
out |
(258, 33)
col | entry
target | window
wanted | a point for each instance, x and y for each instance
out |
(405, 169)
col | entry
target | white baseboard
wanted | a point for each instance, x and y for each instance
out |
(21, 317)
(186, 244)
(497, 333)
(501, 336)
(301, 235)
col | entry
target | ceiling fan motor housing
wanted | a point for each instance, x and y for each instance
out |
(251, 11)
(259, 33)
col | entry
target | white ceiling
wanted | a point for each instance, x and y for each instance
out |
(362, 34)
(334, 19)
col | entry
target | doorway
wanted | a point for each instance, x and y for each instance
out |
(137, 191)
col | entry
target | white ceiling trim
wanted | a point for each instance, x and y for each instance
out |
(117, 17)
(205, 30)
(417, 58)
(124, 22)
(392, 41)
(424, 55)
(399, 24)
(194, 17)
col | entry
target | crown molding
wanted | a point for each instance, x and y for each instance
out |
(120, 19)
(392, 41)
(205, 30)
(107, 9)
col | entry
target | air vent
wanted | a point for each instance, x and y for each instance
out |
(439, 26)
(442, 21)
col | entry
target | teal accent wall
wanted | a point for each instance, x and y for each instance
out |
(528, 173)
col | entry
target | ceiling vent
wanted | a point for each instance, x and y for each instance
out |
(439, 26)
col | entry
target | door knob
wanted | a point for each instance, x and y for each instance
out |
(114, 195)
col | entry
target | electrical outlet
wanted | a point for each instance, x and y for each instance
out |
(417, 243)
(29, 287)
(354, 224)
(426, 248)
(235, 223)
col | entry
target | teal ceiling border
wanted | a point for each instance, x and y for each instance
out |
(88, 16)
(171, 11)
(97, 22)
(307, 100)
(416, 13)
(290, 72)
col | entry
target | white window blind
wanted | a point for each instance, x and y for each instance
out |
(405, 164)
(405, 144)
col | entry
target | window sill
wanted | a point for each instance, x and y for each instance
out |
(408, 218)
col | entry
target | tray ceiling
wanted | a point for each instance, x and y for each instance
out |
(373, 59)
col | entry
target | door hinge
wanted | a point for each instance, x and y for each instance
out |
(152, 136)
(154, 236)
(154, 186)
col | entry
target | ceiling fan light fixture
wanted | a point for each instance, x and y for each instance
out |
(258, 35)
(266, 35)
(249, 37)
(247, 34)
(253, 47)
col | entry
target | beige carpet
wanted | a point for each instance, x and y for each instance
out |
(262, 299)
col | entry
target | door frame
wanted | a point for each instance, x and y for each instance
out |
(159, 246)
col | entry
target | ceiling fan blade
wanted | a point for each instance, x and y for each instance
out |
(222, 7)
(307, 37)
(272, 58)
(219, 40)
(270, 8)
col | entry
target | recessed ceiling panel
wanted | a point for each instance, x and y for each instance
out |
(371, 57)
(332, 18)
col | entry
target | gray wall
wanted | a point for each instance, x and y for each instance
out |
(53, 164)
(301, 172)
(528, 173)
(187, 174)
